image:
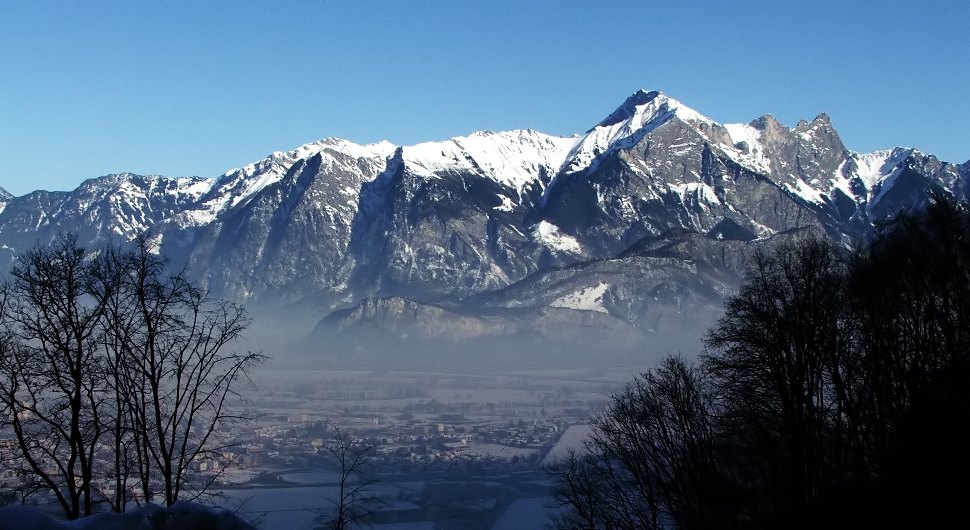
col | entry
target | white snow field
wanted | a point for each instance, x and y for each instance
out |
(180, 516)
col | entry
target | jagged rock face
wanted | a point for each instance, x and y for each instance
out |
(811, 152)
(909, 182)
(964, 172)
(637, 228)
(450, 220)
(654, 165)
(683, 170)
(114, 208)
(284, 242)
(439, 236)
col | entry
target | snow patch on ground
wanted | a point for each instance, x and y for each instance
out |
(180, 516)
(585, 299)
(506, 206)
(698, 191)
(805, 191)
(550, 236)
(747, 149)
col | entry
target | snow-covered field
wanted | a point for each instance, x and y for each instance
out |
(571, 440)
(181, 516)
(284, 508)
(525, 513)
(504, 452)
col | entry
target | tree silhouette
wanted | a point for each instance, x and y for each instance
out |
(352, 458)
(832, 394)
(649, 459)
(781, 360)
(51, 389)
(110, 356)
(166, 342)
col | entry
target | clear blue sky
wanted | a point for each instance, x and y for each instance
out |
(175, 88)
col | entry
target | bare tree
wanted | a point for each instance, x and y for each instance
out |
(579, 492)
(51, 388)
(174, 377)
(352, 458)
(780, 357)
(837, 392)
(649, 461)
(911, 289)
(109, 358)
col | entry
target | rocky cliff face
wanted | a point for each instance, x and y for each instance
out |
(278, 230)
(632, 232)
(111, 208)
(452, 219)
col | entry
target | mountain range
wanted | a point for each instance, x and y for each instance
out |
(624, 239)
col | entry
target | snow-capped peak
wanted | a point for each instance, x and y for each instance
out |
(378, 150)
(284, 159)
(512, 158)
(5, 197)
(638, 115)
(873, 168)
(629, 108)
(237, 186)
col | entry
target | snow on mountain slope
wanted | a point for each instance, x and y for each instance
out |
(5, 197)
(640, 113)
(874, 167)
(111, 208)
(332, 222)
(135, 204)
(551, 237)
(242, 183)
(238, 186)
(804, 190)
(589, 298)
(514, 159)
(697, 193)
(748, 149)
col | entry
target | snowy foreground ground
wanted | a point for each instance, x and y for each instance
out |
(180, 516)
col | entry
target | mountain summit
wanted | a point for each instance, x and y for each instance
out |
(632, 232)
(629, 107)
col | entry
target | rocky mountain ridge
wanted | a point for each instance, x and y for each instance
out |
(634, 230)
